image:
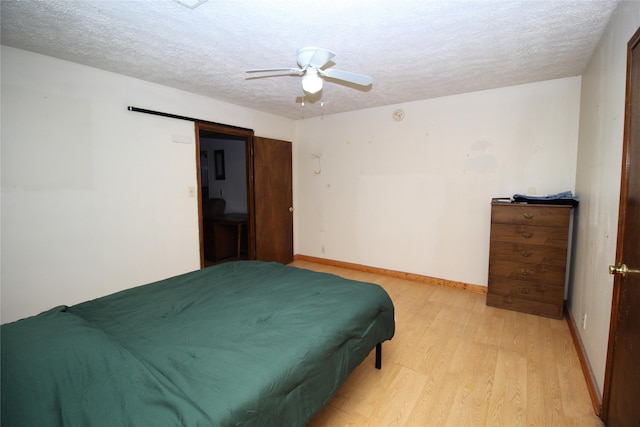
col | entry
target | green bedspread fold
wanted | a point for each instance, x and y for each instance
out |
(239, 344)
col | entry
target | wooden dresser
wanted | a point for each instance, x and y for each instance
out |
(528, 257)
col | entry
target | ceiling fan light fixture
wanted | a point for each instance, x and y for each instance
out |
(311, 62)
(311, 82)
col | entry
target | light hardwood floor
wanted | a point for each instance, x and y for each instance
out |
(456, 362)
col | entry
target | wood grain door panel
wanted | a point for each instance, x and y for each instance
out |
(622, 377)
(273, 203)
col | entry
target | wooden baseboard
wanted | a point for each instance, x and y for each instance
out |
(586, 369)
(394, 273)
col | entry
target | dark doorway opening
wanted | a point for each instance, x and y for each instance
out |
(224, 171)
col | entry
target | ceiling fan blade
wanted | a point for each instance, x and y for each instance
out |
(320, 57)
(271, 70)
(347, 76)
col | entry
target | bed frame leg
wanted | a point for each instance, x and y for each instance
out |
(379, 355)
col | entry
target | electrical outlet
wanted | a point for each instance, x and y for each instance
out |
(584, 321)
(322, 248)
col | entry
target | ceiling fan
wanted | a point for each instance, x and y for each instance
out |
(311, 60)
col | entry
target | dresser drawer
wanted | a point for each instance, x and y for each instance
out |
(540, 273)
(525, 305)
(533, 235)
(517, 289)
(533, 254)
(553, 216)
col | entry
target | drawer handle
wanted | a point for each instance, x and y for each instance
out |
(527, 235)
(524, 290)
(528, 215)
(526, 254)
(526, 272)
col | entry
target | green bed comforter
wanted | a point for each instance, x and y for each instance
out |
(243, 343)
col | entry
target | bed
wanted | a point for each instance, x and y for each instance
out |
(245, 343)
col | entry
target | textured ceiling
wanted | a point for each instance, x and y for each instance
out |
(413, 49)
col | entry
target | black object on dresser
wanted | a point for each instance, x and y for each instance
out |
(528, 257)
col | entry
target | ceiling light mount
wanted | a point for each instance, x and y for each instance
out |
(191, 4)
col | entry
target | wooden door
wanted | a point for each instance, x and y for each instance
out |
(273, 200)
(620, 405)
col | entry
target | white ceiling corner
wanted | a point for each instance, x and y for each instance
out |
(413, 49)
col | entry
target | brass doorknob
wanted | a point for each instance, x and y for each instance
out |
(622, 269)
(291, 209)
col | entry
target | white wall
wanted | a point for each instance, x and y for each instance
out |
(598, 183)
(94, 197)
(414, 195)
